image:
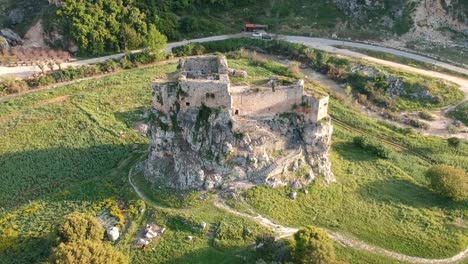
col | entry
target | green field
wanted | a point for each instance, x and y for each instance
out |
(61, 151)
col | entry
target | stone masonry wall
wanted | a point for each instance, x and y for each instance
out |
(213, 94)
(268, 102)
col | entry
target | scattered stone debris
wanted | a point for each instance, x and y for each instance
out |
(150, 232)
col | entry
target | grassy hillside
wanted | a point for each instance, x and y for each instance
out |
(70, 149)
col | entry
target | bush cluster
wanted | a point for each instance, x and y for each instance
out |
(80, 238)
(418, 124)
(372, 146)
(448, 181)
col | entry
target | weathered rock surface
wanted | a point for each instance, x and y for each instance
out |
(12, 38)
(4, 43)
(205, 148)
(16, 16)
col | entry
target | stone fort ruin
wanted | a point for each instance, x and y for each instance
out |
(207, 133)
(205, 81)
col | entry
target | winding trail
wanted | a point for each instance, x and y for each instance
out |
(285, 231)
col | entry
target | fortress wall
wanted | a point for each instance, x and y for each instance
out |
(201, 64)
(268, 102)
(317, 108)
(164, 96)
(197, 94)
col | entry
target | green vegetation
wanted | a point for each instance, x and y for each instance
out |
(81, 242)
(129, 61)
(87, 251)
(372, 146)
(79, 227)
(460, 113)
(313, 246)
(108, 26)
(449, 181)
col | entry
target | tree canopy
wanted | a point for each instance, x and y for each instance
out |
(312, 245)
(99, 26)
(79, 227)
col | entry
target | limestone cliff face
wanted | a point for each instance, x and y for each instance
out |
(206, 148)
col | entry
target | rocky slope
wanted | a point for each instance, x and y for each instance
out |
(207, 148)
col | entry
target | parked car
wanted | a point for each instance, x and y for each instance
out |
(266, 36)
(257, 35)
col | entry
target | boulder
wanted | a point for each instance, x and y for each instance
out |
(203, 225)
(12, 38)
(293, 195)
(296, 185)
(113, 233)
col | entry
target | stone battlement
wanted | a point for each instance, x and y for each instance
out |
(204, 80)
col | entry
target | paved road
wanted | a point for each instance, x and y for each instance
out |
(318, 43)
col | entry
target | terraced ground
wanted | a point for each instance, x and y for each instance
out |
(70, 149)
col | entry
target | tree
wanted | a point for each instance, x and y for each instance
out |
(86, 251)
(448, 181)
(79, 227)
(155, 40)
(312, 245)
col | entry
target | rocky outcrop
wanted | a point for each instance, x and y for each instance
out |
(207, 148)
(12, 38)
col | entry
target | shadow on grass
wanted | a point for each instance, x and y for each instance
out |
(65, 173)
(28, 250)
(350, 152)
(399, 191)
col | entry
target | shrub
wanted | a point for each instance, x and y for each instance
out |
(453, 142)
(107, 66)
(125, 63)
(10, 85)
(189, 50)
(294, 69)
(418, 124)
(312, 245)
(372, 146)
(391, 115)
(426, 115)
(78, 227)
(86, 252)
(448, 181)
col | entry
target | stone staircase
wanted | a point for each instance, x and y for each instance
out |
(266, 171)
